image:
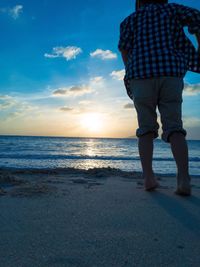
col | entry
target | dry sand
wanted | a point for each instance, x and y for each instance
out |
(99, 217)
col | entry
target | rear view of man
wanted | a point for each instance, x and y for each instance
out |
(157, 54)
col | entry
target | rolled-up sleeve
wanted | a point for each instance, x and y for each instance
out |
(126, 36)
(189, 17)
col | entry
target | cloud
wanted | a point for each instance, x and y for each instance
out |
(5, 105)
(68, 52)
(14, 12)
(191, 89)
(97, 80)
(129, 106)
(12, 107)
(118, 74)
(191, 122)
(14, 114)
(66, 109)
(6, 102)
(73, 91)
(3, 97)
(91, 86)
(80, 109)
(103, 54)
(85, 102)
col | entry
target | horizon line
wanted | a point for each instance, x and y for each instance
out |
(76, 137)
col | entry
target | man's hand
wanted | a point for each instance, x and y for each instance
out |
(124, 54)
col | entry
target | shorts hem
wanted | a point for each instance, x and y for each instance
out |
(142, 133)
(166, 135)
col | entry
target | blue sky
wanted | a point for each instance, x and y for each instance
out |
(61, 70)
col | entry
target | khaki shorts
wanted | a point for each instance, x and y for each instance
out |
(164, 93)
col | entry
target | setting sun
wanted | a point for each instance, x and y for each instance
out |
(92, 122)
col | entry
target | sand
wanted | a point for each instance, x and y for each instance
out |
(99, 217)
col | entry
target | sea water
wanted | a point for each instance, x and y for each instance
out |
(85, 153)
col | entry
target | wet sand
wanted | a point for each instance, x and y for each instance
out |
(99, 217)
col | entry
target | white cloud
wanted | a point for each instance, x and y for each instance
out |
(191, 122)
(73, 91)
(14, 12)
(85, 102)
(96, 80)
(68, 52)
(6, 102)
(92, 86)
(103, 54)
(15, 114)
(191, 89)
(2, 97)
(13, 107)
(118, 74)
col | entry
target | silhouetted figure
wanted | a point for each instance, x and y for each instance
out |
(157, 54)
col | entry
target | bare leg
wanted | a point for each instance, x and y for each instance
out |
(145, 145)
(180, 152)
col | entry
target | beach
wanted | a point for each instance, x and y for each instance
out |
(95, 96)
(96, 217)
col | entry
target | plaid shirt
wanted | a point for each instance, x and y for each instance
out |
(156, 42)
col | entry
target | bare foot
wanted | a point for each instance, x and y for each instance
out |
(150, 184)
(183, 186)
(183, 191)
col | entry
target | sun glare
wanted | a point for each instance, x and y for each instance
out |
(92, 122)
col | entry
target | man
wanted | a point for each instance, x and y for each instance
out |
(157, 54)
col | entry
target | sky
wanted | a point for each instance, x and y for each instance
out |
(61, 71)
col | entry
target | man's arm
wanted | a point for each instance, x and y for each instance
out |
(124, 54)
(126, 39)
(198, 40)
(189, 17)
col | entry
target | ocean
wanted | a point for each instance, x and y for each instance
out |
(84, 153)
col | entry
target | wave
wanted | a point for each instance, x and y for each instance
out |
(83, 157)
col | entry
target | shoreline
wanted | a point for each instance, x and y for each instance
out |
(71, 170)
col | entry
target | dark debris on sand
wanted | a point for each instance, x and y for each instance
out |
(9, 178)
(12, 185)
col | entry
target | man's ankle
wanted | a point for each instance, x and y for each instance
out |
(183, 175)
(148, 174)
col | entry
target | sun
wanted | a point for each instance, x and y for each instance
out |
(92, 122)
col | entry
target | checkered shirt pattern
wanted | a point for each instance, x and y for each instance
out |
(156, 42)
